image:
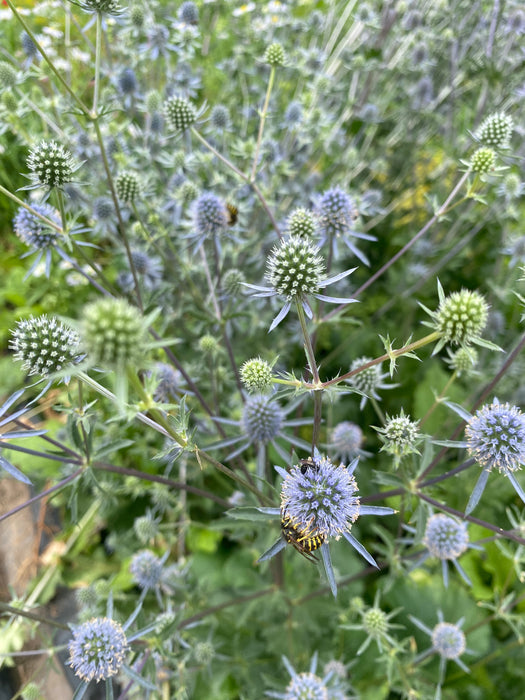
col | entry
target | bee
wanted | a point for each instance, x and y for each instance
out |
(232, 213)
(304, 541)
(306, 464)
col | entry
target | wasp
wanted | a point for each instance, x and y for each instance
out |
(232, 213)
(304, 541)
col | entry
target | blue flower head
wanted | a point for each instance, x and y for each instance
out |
(446, 539)
(97, 649)
(319, 502)
(146, 569)
(322, 498)
(210, 215)
(496, 437)
(336, 215)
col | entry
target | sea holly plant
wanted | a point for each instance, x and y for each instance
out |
(176, 156)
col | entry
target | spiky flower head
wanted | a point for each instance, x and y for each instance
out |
(127, 185)
(346, 440)
(274, 55)
(188, 13)
(483, 160)
(294, 268)
(113, 332)
(146, 569)
(375, 622)
(98, 649)
(146, 528)
(108, 7)
(262, 418)
(137, 15)
(256, 375)
(445, 538)
(28, 45)
(44, 345)
(448, 640)
(400, 435)
(464, 359)
(32, 230)
(180, 112)
(301, 223)
(209, 214)
(220, 117)
(187, 192)
(204, 653)
(495, 131)
(496, 437)
(369, 379)
(51, 164)
(461, 317)
(208, 345)
(7, 75)
(232, 281)
(86, 597)
(306, 686)
(336, 212)
(169, 379)
(321, 499)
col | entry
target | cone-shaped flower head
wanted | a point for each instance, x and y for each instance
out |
(301, 223)
(321, 498)
(448, 640)
(496, 437)
(210, 215)
(97, 649)
(347, 439)
(445, 538)
(179, 112)
(306, 686)
(127, 185)
(146, 569)
(113, 333)
(262, 418)
(256, 375)
(461, 317)
(295, 268)
(44, 345)
(495, 131)
(51, 164)
(336, 212)
(32, 230)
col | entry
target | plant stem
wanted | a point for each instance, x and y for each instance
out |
(98, 53)
(261, 123)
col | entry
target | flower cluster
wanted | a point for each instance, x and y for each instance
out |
(98, 649)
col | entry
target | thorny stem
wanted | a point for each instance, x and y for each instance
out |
(261, 123)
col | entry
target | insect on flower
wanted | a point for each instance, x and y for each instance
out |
(232, 214)
(305, 541)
